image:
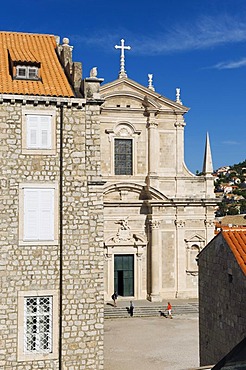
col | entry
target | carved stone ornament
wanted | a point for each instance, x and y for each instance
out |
(124, 231)
(209, 223)
(154, 224)
(179, 223)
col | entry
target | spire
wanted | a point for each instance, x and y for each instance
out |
(207, 163)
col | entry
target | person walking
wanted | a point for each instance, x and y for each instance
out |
(169, 310)
(114, 297)
(131, 309)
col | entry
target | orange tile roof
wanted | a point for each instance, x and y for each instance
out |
(236, 239)
(32, 48)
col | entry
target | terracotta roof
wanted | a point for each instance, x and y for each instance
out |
(235, 220)
(236, 239)
(32, 48)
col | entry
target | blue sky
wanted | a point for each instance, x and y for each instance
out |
(196, 45)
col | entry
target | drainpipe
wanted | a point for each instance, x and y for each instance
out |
(61, 237)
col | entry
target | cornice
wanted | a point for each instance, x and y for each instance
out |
(47, 100)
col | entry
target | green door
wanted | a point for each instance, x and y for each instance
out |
(124, 274)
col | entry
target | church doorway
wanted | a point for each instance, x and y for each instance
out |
(124, 274)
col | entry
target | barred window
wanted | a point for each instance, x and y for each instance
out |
(123, 156)
(38, 324)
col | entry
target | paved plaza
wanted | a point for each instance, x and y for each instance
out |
(151, 343)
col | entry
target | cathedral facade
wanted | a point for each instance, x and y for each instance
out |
(157, 215)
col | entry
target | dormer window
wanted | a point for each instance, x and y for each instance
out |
(22, 67)
(26, 72)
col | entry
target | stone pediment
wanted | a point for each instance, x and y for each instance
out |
(127, 192)
(195, 238)
(135, 95)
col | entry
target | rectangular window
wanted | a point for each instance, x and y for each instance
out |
(38, 132)
(21, 72)
(123, 157)
(38, 330)
(38, 324)
(38, 214)
(26, 72)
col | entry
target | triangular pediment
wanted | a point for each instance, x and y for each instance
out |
(134, 95)
(195, 239)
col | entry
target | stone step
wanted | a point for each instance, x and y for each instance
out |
(147, 311)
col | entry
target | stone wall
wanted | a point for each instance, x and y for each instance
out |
(222, 305)
(72, 267)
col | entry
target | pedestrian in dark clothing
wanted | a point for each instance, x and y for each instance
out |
(114, 297)
(131, 308)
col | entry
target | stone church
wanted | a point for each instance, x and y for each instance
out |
(157, 215)
(95, 197)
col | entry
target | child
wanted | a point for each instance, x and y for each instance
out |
(169, 310)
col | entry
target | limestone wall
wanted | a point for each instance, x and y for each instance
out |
(222, 304)
(76, 264)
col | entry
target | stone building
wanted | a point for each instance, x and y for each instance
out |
(51, 220)
(157, 215)
(222, 286)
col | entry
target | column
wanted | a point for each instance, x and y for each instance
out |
(155, 261)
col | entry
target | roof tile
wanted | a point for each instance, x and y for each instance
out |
(236, 239)
(32, 48)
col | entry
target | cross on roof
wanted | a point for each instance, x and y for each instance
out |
(122, 72)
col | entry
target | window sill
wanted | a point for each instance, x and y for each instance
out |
(39, 151)
(38, 242)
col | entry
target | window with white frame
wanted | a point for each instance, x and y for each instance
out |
(38, 324)
(38, 214)
(38, 131)
(38, 329)
(27, 72)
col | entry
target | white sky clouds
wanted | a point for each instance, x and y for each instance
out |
(231, 64)
(230, 142)
(203, 33)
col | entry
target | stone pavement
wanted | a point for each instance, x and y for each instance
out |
(152, 343)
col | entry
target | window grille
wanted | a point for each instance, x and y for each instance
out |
(38, 325)
(123, 156)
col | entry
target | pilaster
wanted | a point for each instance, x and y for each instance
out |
(180, 256)
(153, 149)
(155, 260)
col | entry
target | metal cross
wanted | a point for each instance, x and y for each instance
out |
(122, 57)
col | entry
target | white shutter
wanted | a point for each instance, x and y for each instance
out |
(39, 214)
(32, 131)
(31, 217)
(46, 212)
(45, 132)
(38, 132)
